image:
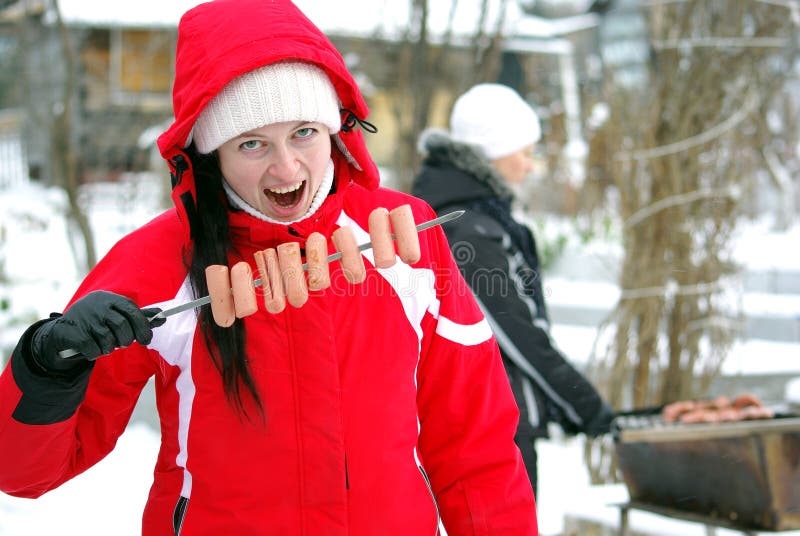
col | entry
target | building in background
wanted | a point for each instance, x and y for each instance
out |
(122, 55)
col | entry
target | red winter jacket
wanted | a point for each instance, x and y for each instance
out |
(386, 403)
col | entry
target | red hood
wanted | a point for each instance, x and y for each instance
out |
(209, 56)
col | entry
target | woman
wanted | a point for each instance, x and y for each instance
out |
(378, 408)
(474, 166)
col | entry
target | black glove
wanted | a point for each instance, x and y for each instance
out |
(601, 422)
(93, 326)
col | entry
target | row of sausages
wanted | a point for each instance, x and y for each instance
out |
(232, 291)
(721, 409)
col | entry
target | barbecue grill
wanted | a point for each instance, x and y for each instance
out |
(745, 474)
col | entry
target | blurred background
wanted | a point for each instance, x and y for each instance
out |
(666, 201)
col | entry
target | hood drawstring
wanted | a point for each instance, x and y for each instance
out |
(180, 166)
(351, 119)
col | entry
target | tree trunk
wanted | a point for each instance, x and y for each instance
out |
(64, 151)
(420, 66)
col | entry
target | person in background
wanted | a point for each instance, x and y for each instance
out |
(372, 408)
(474, 166)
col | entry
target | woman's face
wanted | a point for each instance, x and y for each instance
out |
(515, 167)
(277, 168)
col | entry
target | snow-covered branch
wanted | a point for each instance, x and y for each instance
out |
(671, 289)
(679, 199)
(704, 137)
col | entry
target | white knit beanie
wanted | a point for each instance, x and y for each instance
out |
(285, 91)
(494, 118)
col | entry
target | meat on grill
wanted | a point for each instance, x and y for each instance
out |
(721, 409)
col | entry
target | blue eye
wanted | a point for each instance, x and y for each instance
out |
(250, 145)
(304, 132)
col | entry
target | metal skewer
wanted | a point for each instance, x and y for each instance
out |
(199, 302)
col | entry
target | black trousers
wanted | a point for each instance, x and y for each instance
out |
(527, 446)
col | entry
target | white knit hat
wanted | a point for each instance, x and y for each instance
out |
(494, 118)
(278, 92)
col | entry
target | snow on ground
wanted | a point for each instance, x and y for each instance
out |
(759, 246)
(37, 272)
(36, 259)
(747, 357)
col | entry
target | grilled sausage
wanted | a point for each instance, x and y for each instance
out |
(271, 283)
(219, 289)
(244, 292)
(746, 400)
(352, 262)
(380, 234)
(405, 234)
(317, 260)
(671, 412)
(698, 416)
(291, 267)
(720, 402)
(730, 414)
(757, 412)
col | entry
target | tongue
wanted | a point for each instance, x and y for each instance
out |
(285, 200)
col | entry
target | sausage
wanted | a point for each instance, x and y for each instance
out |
(352, 262)
(244, 292)
(745, 400)
(671, 412)
(405, 233)
(291, 267)
(271, 283)
(380, 234)
(757, 412)
(720, 402)
(317, 260)
(219, 289)
(730, 414)
(698, 416)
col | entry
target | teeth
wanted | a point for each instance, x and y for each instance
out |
(286, 189)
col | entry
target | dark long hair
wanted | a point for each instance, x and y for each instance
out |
(211, 242)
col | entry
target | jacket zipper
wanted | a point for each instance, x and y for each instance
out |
(433, 498)
(346, 474)
(179, 514)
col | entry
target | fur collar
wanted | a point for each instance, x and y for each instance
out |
(441, 149)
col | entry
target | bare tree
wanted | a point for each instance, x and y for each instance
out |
(49, 97)
(683, 154)
(65, 154)
(424, 67)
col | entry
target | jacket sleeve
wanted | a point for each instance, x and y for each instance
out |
(468, 416)
(55, 427)
(52, 429)
(46, 398)
(497, 279)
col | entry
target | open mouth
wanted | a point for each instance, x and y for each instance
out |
(287, 196)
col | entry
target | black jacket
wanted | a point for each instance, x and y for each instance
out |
(498, 258)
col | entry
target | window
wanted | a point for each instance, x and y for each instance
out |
(141, 65)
